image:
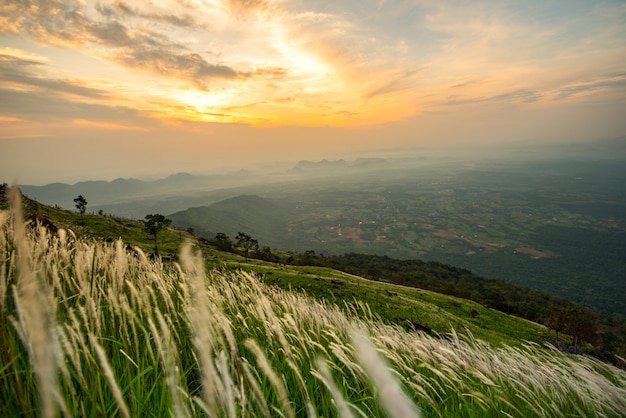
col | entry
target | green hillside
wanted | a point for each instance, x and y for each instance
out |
(174, 339)
(106, 227)
(410, 306)
(557, 226)
(255, 215)
(393, 304)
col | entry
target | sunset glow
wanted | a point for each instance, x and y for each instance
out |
(412, 72)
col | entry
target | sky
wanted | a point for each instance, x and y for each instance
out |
(123, 88)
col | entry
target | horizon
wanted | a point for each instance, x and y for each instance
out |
(121, 88)
(605, 149)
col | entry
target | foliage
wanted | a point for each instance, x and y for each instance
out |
(246, 242)
(159, 340)
(4, 202)
(222, 242)
(582, 324)
(153, 224)
(496, 294)
(553, 225)
(81, 205)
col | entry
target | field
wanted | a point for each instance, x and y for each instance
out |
(552, 220)
(148, 338)
(553, 226)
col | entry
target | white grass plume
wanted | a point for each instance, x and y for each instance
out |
(35, 311)
(246, 348)
(324, 375)
(390, 393)
(108, 373)
(272, 376)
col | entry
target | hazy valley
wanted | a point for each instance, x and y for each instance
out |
(554, 224)
(306, 208)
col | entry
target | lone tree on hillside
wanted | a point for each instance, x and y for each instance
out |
(577, 322)
(246, 242)
(223, 242)
(81, 205)
(556, 320)
(153, 224)
(4, 196)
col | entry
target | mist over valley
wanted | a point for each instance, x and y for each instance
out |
(551, 222)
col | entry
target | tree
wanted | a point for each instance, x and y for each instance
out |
(153, 224)
(577, 322)
(4, 196)
(81, 205)
(246, 242)
(556, 320)
(580, 324)
(223, 242)
(265, 253)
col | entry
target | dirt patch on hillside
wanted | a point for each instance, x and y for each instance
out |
(352, 233)
(536, 254)
(450, 234)
(446, 234)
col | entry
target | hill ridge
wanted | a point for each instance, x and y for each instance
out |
(453, 281)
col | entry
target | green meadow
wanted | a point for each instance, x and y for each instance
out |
(97, 328)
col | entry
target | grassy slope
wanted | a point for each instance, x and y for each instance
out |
(392, 303)
(110, 228)
(256, 216)
(154, 339)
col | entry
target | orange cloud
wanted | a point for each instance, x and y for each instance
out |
(107, 125)
(264, 62)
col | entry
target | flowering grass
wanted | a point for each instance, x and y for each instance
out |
(91, 329)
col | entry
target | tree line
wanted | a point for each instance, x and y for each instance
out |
(607, 334)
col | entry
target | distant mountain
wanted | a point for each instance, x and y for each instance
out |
(263, 219)
(101, 194)
(306, 166)
(324, 164)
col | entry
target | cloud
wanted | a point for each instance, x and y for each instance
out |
(244, 9)
(191, 67)
(615, 82)
(122, 8)
(43, 106)
(396, 84)
(9, 119)
(31, 95)
(20, 70)
(256, 51)
(107, 125)
(137, 47)
(337, 63)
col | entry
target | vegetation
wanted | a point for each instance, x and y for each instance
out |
(157, 339)
(604, 332)
(600, 335)
(555, 226)
(153, 224)
(604, 336)
(223, 242)
(246, 242)
(81, 205)
(102, 227)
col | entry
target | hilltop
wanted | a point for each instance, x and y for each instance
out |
(551, 222)
(430, 296)
(394, 304)
(555, 226)
(157, 338)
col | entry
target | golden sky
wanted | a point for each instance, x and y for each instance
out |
(104, 89)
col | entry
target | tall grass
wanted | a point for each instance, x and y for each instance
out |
(89, 329)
